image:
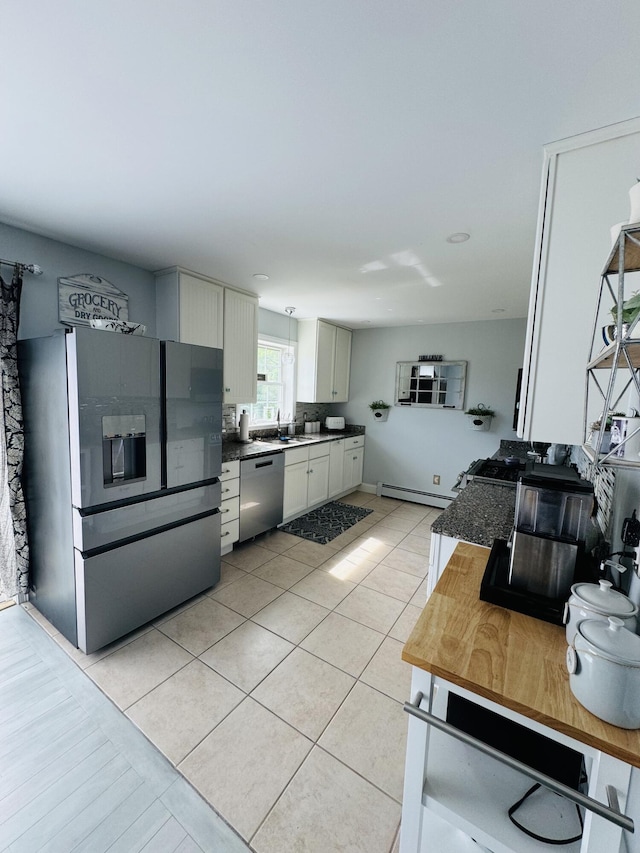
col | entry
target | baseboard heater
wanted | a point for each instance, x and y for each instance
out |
(386, 490)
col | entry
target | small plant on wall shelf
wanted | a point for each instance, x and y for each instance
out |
(480, 417)
(380, 410)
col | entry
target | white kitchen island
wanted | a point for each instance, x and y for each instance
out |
(456, 796)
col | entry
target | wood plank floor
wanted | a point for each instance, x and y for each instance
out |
(75, 774)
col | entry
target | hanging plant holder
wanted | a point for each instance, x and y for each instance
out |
(379, 410)
(480, 417)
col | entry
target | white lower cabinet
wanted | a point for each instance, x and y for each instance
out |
(440, 551)
(456, 797)
(353, 462)
(336, 467)
(306, 478)
(229, 505)
(318, 490)
(295, 485)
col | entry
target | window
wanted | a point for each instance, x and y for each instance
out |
(276, 381)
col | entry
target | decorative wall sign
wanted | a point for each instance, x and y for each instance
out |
(84, 297)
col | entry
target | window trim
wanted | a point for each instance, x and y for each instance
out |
(282, 343)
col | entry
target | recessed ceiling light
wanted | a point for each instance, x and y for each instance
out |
(458, 237)
(261, 276)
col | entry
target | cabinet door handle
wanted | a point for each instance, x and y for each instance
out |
(611, 814)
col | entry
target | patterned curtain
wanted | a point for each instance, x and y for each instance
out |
(14, 551)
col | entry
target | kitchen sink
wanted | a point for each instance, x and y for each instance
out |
(290, 439)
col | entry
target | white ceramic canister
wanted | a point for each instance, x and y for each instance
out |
(604, 671)
(597, 601)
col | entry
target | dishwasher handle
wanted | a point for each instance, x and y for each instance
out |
(263, 464)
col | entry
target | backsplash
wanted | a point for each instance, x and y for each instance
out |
(304, 412)
(604, 481)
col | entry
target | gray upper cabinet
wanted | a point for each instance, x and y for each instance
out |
(432, 384)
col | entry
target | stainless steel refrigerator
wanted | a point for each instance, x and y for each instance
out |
(122, 459)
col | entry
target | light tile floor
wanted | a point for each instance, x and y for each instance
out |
(278, 694)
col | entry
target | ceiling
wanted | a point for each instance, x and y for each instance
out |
(332, 146)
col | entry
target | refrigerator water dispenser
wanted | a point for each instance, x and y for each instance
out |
(123, 448)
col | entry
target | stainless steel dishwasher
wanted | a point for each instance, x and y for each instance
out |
(261, 494)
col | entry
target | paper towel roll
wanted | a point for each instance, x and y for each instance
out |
(244, 426)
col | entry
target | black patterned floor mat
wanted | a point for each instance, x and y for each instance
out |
(325, 523)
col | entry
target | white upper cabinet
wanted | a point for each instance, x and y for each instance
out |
(324, 362)
(194, 309)
(240, 346)
(585, 192)
(189, 308)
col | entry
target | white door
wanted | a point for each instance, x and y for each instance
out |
(326, 349)
(342, 366)
(336, 467)
(200, 311)
(353, 465)
(240, 347)
(295, 488)
(318, 486)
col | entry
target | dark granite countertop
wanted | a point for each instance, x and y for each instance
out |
(233, 449)
(481, 513)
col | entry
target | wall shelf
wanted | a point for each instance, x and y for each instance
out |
(614, 370)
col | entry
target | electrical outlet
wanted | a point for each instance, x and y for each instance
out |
(436, 479)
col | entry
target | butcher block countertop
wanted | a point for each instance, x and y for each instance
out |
(512, 659)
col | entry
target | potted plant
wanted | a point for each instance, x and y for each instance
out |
(596, 428)
(480, 417)
(630, 310)
(380, 410)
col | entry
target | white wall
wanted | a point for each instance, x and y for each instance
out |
(39, 303)
(415, 444)
(277, 325)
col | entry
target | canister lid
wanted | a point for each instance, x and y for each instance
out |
(601, 598)
(610, 639)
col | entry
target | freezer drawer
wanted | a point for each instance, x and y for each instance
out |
(121, 589)
(133, 520)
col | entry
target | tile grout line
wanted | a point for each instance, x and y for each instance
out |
(297, 645)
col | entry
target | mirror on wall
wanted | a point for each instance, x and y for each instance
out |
(433, 384)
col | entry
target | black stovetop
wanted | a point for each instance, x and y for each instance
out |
(496, 471)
